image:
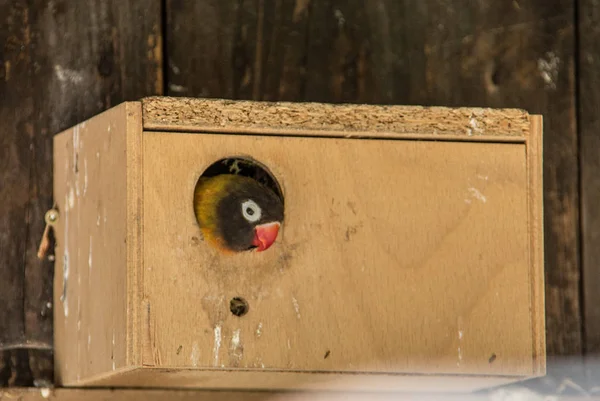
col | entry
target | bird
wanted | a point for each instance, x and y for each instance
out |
(237, 213)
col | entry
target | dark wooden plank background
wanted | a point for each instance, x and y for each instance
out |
(589, 158)
(64, 61)
(60, 62)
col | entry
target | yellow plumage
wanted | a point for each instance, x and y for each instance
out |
(224, 220)
(208, 193)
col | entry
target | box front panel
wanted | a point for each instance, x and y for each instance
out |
(394, 256)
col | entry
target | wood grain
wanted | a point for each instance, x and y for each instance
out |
(522, 55)
(173, 293)
(434, 53)
(386, 307)
(501, 54)
(296, 383)
(60, 63)
(589, 146)
(97, 242)
(536, 229)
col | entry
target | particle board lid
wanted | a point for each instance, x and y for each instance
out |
(341, 120)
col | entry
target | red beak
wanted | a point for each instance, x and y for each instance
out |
(265, 235)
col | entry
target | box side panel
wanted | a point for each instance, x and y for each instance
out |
(340, 383)
(395, 256)
(91, 271)
(134, 231)
(61, 169)
(536, 234)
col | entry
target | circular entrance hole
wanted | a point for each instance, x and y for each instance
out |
(246, 167)
(238, 215)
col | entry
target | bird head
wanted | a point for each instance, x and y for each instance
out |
(238, 213)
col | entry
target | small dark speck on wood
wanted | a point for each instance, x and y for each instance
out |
(349, 232)
(179, 349)
(492, 358)
(327, 354)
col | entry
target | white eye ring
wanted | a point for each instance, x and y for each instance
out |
(251, 211)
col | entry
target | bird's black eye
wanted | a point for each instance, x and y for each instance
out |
(251, 211)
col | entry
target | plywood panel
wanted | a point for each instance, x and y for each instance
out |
(303, 383)
(536, 230)
(399, 256)
(91, 184)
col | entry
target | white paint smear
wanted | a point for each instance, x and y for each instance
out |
(90, 258)
(174, 68)
(67, 74)
(235, 339)
(474, 127)
(477, 195)
(296, 307)
(473, 123)
(71, 199)
(195, 355)
(217, 345)
(85, 177)
(177, 88)
(259, 329)
(63, 297)
(460, 338)
(236, 345)
(340, 18)
(548, 68)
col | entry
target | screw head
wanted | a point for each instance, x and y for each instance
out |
(51, 216)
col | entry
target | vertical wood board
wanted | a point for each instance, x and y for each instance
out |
(60, 63)
(589, 161)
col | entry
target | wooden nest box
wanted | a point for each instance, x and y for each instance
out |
(410, 256)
